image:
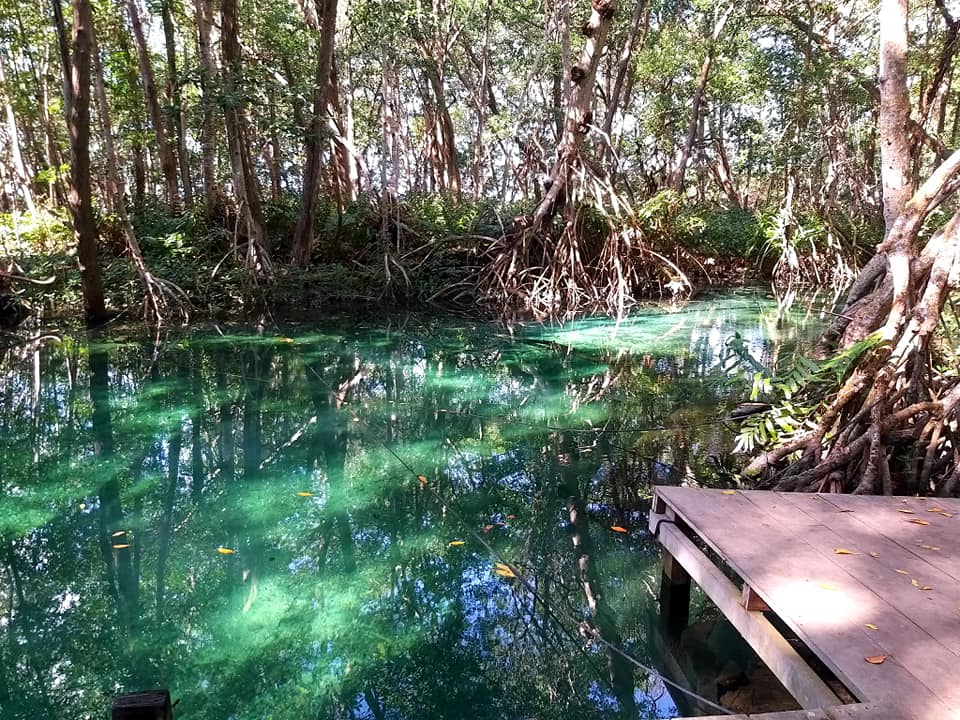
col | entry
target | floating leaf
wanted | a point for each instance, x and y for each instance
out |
(902, 572)
(304, 493)
(904, 510)
(456, 543)
(120, 546)
(422, 479)
(487, 528)
(844, 551)
(871, 626)
(225, 551)
(118, 533)
(729, 492)
(617, 528)
(917, 521)
(504, 571)
(875, 659)
(287, 340)
(511, 517)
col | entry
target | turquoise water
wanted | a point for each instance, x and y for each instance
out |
(305, 521)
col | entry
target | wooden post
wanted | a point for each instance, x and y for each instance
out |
(674, 595)
(152, 705)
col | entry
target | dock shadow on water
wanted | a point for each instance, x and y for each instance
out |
(351, 520)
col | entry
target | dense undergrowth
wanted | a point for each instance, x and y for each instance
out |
(426, 252)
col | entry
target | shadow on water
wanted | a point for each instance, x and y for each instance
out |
(239, 516)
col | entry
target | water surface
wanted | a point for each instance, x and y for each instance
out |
(306, 521)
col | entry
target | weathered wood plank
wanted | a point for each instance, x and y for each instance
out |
(826, 605)
(885, 518)
(783, 661)
(874, 595)
(860, 711)
(783, 715)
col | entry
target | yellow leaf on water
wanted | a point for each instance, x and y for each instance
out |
(844, 551)
(871, 626)
(304, 493)
(121, 546)
(904, 510)
(422, 479)
(875, 659)
(225, 551)
(504, 570)
(617, 528)
(917, 521)
(118, 533)
(729, 492)
(456, 543)
(287, 340)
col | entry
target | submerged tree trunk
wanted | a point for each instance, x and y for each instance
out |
(77, 103)
(303, 234)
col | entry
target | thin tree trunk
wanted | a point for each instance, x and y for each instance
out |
(208, 129)
(623, 65)
(676, 182)
(19, 166)
(303, 234)
(77, 86)
(168, 164)
(175, 98)
(245, 188)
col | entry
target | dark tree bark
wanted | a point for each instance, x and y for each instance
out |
(303, 234)
(76, 73)
(175, 98)
(168, 164)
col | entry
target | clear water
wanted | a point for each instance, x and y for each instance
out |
(237, 515)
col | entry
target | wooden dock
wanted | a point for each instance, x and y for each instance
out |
(870, 585)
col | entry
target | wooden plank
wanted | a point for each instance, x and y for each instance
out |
(867, 711)
(783, 715)
(783, 661)
(886, 567)
(152, 705)
(813, 596)
(882, 514)
(751, 601)
(889, 597)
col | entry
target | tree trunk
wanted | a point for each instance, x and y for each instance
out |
(676, 182)
(24, 176)
(77, 104)
(208, 129)
(623, 65)
(168, 164)
(303, 234)
(245, 188)
(175, 99)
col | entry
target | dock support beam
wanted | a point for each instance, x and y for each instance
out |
(674, 595)
(153, 705)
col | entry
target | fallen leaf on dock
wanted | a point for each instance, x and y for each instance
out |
(617, 528)
(844, 551)
(929, 547)
(927, 587)
(902, 572)
(504, 571)
(916, 521)
(825, 586)
(729, 492)
(844, 510)
(871, 626)
(936, 509)
(304, 494)
(945, 514)
(456, 543)
(225, 551)
(914, 582)
(904, 510)
(873, 554)
(875, 659)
